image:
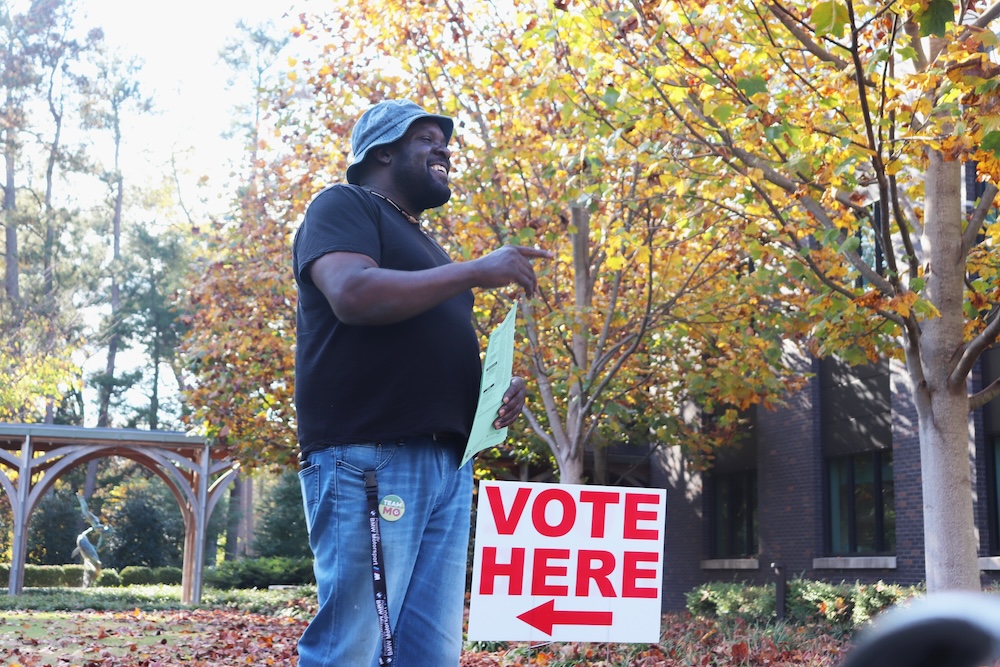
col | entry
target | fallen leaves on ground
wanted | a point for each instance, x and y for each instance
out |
(196, 638)
(686, 641)
(224, 637)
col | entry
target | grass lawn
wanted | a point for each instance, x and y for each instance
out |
(198, 637)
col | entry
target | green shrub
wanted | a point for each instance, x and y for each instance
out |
(295, 603)
(137, 575)
(732, 599)
(148, 528)
(811, 601)
(870, 599)
(281, 530)
(55, 523)
(109, 578)
(168, 575)
(4, 574)
(260, 573)
(72, 575)
(840, 606)
(43, 576)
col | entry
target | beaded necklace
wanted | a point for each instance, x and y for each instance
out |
(413, 220)
(410, 218)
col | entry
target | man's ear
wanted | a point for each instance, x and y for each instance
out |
(382, 155)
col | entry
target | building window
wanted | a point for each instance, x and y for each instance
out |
(733, 498)
(993, 459)
(991, 423)
(861, 518)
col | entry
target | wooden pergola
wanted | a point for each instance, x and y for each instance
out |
(34, 456)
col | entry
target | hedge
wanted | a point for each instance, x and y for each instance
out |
(844, 606)
(66, 576)
(260, 573)
(243, 573)
(137, 575)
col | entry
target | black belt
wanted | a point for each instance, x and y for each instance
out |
(448, 438)
(443, 437)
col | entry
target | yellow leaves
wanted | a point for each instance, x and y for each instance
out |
(642, 254)
(662, 72)
(923, 106)
(903, 303)
(676, 94)
(616, 262)
(988, 164)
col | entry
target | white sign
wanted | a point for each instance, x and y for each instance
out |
(567, 562)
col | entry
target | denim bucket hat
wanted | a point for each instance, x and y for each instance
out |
(383, 124)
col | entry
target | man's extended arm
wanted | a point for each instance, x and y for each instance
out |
(362, 293)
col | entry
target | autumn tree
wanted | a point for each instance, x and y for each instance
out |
(239, 343)
(39, 82)
(841, 132)
(640, 294)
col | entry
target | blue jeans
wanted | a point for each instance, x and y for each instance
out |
(425, 553)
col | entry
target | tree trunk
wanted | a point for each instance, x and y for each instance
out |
(941, 399)
(231, 548)
(114, 338)
(154, 398)
(567, 432)
(90, 481)
(571, 460)
(107, 385)
(570, 469)
(11, 269)
(48, 248)
(950, 544)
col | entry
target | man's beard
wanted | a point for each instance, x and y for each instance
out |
(434, 195)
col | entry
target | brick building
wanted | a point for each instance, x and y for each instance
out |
(827, 487)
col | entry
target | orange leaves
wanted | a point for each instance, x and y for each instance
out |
(874, 300)
(740, 652)
(239, 340)
(957, 147)
(973, 69)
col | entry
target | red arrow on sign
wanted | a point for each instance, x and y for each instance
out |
(544, 616)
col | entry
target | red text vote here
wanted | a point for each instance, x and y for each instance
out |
(558, 572)
(555, 512)
(560, 561)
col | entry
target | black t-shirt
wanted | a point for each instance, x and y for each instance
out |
(366, 384)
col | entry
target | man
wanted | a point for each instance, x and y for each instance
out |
(387, 380)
